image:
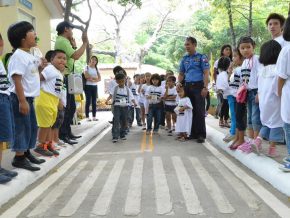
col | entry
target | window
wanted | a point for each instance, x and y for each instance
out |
(23, 16)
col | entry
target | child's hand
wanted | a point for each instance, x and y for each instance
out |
(257, 99)
(181, 109)
(24, 107)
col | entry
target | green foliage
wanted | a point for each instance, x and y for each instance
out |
(138, 3)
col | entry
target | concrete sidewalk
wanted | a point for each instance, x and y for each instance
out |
(88, 130)
(265, 167)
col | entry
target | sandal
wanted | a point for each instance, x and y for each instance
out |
(221, 123)
(182, 139)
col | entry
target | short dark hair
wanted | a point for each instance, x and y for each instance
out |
(119, 69)
(286, 31)
(48, 55)
(224, 63)
(120, 76)
(276, 16)
(62, 25)
(191, 39)
(1, 37)
(157, 77)
(172, 78)
(16, 32)
(224, 47)
(269, 52)
(245, 39)
(136, 75)
(55, 52)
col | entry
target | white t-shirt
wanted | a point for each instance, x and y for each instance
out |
(4, 82)
(92, 71)
(122, 98)
(249, 72)
(222, 83)
(269, 101)
(282, 41)
(24, 64)
(283, 70)
(134, 90)
(184, 119)
(215, 65)
(142, 98)
(111, 86)
(155, 92)
(171, 92)
(53, 82)
(235, 81)
(63, 96)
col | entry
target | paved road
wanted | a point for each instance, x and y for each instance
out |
(148, 177)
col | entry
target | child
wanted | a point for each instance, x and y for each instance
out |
(234, 83)
(222, 86)
(269, 102)
(122, 98)
(134, 89)
(47, 103)
(25, 86)
(153, 95)
(144, 106)
(283, 71)
(170, 103)
(184, 116)
(6, 118)
(249, 76)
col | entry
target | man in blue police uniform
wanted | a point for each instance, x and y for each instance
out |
(194, 74)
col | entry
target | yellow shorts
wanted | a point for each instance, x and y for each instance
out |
(46, 109)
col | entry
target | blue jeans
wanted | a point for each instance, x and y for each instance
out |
(25, 126)
(254, 121)
(154, 112)
(6, 119)
(119, 122)
(287, 136)
(232, 104)
(131, 115)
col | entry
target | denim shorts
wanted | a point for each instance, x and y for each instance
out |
(272, 134)
(25, 126)
(6, 119)
(254, 121)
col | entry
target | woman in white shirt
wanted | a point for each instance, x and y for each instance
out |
(92, 76)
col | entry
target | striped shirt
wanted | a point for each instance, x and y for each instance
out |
(155, 92)
(4, 82)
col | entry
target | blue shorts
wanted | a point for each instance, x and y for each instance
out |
(6, 119)
(272, 134)
(25, 126)
(169, 108)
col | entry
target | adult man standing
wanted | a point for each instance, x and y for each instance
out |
(66, 42)
(275, 23)
(194, 74)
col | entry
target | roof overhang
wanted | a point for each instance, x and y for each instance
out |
(54, 8)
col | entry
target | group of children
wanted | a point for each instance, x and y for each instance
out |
(32, 100)
(151, 99)
(257, 92)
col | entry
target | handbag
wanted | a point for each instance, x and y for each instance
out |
(242, 94)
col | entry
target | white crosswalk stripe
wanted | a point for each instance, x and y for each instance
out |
(191, 200)
(102, 204)
(57, 191)
(162, 195)
(216, 193)
(79, 196)
(133, 201)
(241, 189)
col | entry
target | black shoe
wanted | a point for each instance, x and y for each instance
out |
(200, 140)
(68, 141)
(73, 137)
(7, 173)
(33, 159)
(4, 179)
(22, 162)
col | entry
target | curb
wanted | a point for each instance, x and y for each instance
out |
(26, 178)
(263, 166)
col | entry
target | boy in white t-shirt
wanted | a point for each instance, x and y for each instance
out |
(134, 89)
(47, 103)
(23, 70)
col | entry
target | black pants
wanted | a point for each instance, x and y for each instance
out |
(224, 112)
(70, 109)
(241, 116)
(207, 101)
(193, 91)
(91, 98)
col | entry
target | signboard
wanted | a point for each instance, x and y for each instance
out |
(26, 3)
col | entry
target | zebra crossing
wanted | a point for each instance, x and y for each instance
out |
(164, 198)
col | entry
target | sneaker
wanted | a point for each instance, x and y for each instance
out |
(228, 138)
(286, 159)
(89, 119)
(285, 167)
(60, 142)
(257, 145)
(123, 138)
(148, 132)
(52, 149)
(155, 132)
(4, 179)
(114, 140)
(43, 150)
(95, 119)
(170, 133)
(144, 127)
(139, 124)
(245, 147)
(8, 173)
(272, 152)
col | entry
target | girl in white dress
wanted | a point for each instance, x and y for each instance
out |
(184, 116)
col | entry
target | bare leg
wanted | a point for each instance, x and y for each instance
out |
(168, 120)
(43, 134)
(251, 133)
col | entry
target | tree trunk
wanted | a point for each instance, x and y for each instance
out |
(231, 23)
(67, 12)
(250, 17)
(289, 9)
